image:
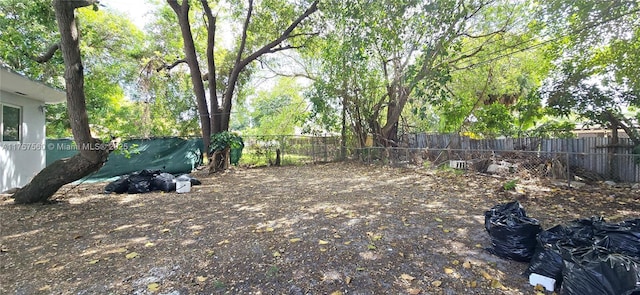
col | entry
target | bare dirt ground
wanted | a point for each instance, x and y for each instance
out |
(339, 228)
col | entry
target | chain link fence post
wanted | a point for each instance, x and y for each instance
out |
(568, 170)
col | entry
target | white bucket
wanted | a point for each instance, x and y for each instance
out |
(183, 186)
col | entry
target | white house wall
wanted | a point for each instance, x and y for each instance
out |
(18, 164)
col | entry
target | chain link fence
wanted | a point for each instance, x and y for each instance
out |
(570, 167)
(293, 150)
(566, 166)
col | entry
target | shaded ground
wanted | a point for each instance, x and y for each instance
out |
(321, 229)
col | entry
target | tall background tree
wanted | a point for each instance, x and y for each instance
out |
(266, 27)
(378, 58)
(596, 62)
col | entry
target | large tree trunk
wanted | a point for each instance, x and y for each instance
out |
(182, 12)
(216, 118)
(92, 155)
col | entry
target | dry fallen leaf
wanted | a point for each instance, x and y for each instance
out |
(269, 229)
(153, 287)
(336, 293)
(413, 291)
(347, 280)
(295, 240)
(149, 244)
(201, 279)
(538, 287)
(436, 283)
(448, 270)
(93, 261)
(496, 284)
(466, 264)
(131, 255)
(407, 277)
(486, 275)
(41, 261)
(276, 254)
(323, 242)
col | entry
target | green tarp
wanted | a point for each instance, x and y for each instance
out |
(172, 155)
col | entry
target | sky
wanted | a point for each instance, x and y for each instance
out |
(135, 9)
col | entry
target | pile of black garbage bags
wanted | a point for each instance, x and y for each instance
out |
(147, 180)
(585, 256)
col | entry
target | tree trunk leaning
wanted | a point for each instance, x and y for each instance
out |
(92, 154)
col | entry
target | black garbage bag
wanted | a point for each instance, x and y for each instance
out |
(195, 181)
(622, 237)
(514, 237)
(140, 181)
(595, 270)
(165, 182)
(118, 186)
(547, 260)
(513, 208)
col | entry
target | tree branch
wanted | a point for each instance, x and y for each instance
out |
(45, 57)
(616, 122)
(286, 34)
(281, 48)
(304, 34)
(214, 109)
(279, 74)
(245, 28)
(171, 66)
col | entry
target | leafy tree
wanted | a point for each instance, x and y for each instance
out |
(486, 89)
(279, 111)
(268, 27)
(91, 156)
(383, 54)
(112, 46)
(596, 60)
(37, 20)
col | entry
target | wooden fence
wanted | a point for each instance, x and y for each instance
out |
(595, 154)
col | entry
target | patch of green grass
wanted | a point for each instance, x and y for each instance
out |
(218, 284)
(510, 185)
(254, 159)
(272, 271)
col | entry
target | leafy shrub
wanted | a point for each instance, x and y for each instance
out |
(225, 139)
(510, 185)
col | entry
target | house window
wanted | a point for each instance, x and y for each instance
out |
(11, 122)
